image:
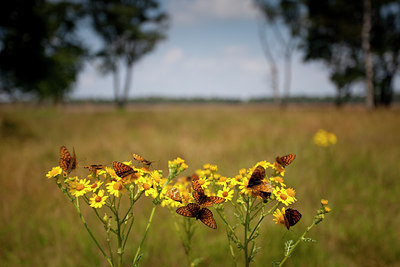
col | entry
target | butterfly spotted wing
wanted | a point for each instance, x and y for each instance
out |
(141, 159)
(67, 162)
(202, 199)
(207, 201)
(195, 211)
(174, 194)
(190, 210)
(122, 170)
(285, 160)
(291, 217)
(257, 176)
(264, 190)
(94, 167)
(205, 216)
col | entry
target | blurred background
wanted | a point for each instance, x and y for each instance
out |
(221, 82)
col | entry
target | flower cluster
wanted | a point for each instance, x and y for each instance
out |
(248, 192)
(324, 138)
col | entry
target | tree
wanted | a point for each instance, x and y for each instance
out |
(129, 30)
(39, 51)
(272, 31)
(331, 32)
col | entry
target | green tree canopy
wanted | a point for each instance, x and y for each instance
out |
(39, 51)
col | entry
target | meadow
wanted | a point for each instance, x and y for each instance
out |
(359, 176)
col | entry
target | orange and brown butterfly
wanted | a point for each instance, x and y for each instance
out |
(174, 194)
(285, 160)
(194, 210)
(122, 170)
(291, 217)
(258, 185)
(94, 167)
(202, 199)
(67, 162)
(141, 159)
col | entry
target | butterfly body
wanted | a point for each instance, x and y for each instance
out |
(202, 199)
(94, 167)
(257, 183)
(194, 210)
(174, 194)
(141, 159)
(291, 217)
(285, 160)
(122, 170)
(67, 162)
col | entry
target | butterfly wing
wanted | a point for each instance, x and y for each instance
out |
(174, 194)
(197, 187)
(285, 160)
(141, 159)
(206, 217)
(264, 190)
(190, 210)
(122, 170)
(257, 176)
(292, 217)
(67, 162)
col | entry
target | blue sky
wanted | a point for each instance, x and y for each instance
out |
(212, 50)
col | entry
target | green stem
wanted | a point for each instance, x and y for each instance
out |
(246, 226)
(262, 217)
(136, 259)
(222, 216)
(295, 244)
(90, 232)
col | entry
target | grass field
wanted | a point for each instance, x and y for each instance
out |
(359, 176)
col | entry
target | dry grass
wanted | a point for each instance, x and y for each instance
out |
(359, 176)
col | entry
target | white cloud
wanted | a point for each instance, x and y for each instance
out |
(190, 12)
(173, 55)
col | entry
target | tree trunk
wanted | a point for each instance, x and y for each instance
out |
(117, 97)
(272, 64)
(128, 80)
(369, 74)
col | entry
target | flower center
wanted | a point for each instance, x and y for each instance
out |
(98, 199)
(222, 179)
(225, 194)
(290, 192)
(117, 186)
(146, 186)
(283, 196)
(201, 182)
(94, 185)
(80, 187)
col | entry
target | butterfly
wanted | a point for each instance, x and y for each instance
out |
(195, 211)
(67, 162)
(174, 194)
(285, 160)
(141, 159)
(202, 198)
(122, 170)
(262, 188)
(291, 217)
(94, 167)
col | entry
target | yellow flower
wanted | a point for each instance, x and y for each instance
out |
(291, 193)
(96, 185)
(327, 209)
(279, 216)
(79, 188)
(324, 138)
(98, 200)
(278, 180)
(115, 188)
(324, 202)
(54, 172)
(226, 193)
(282, 196)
